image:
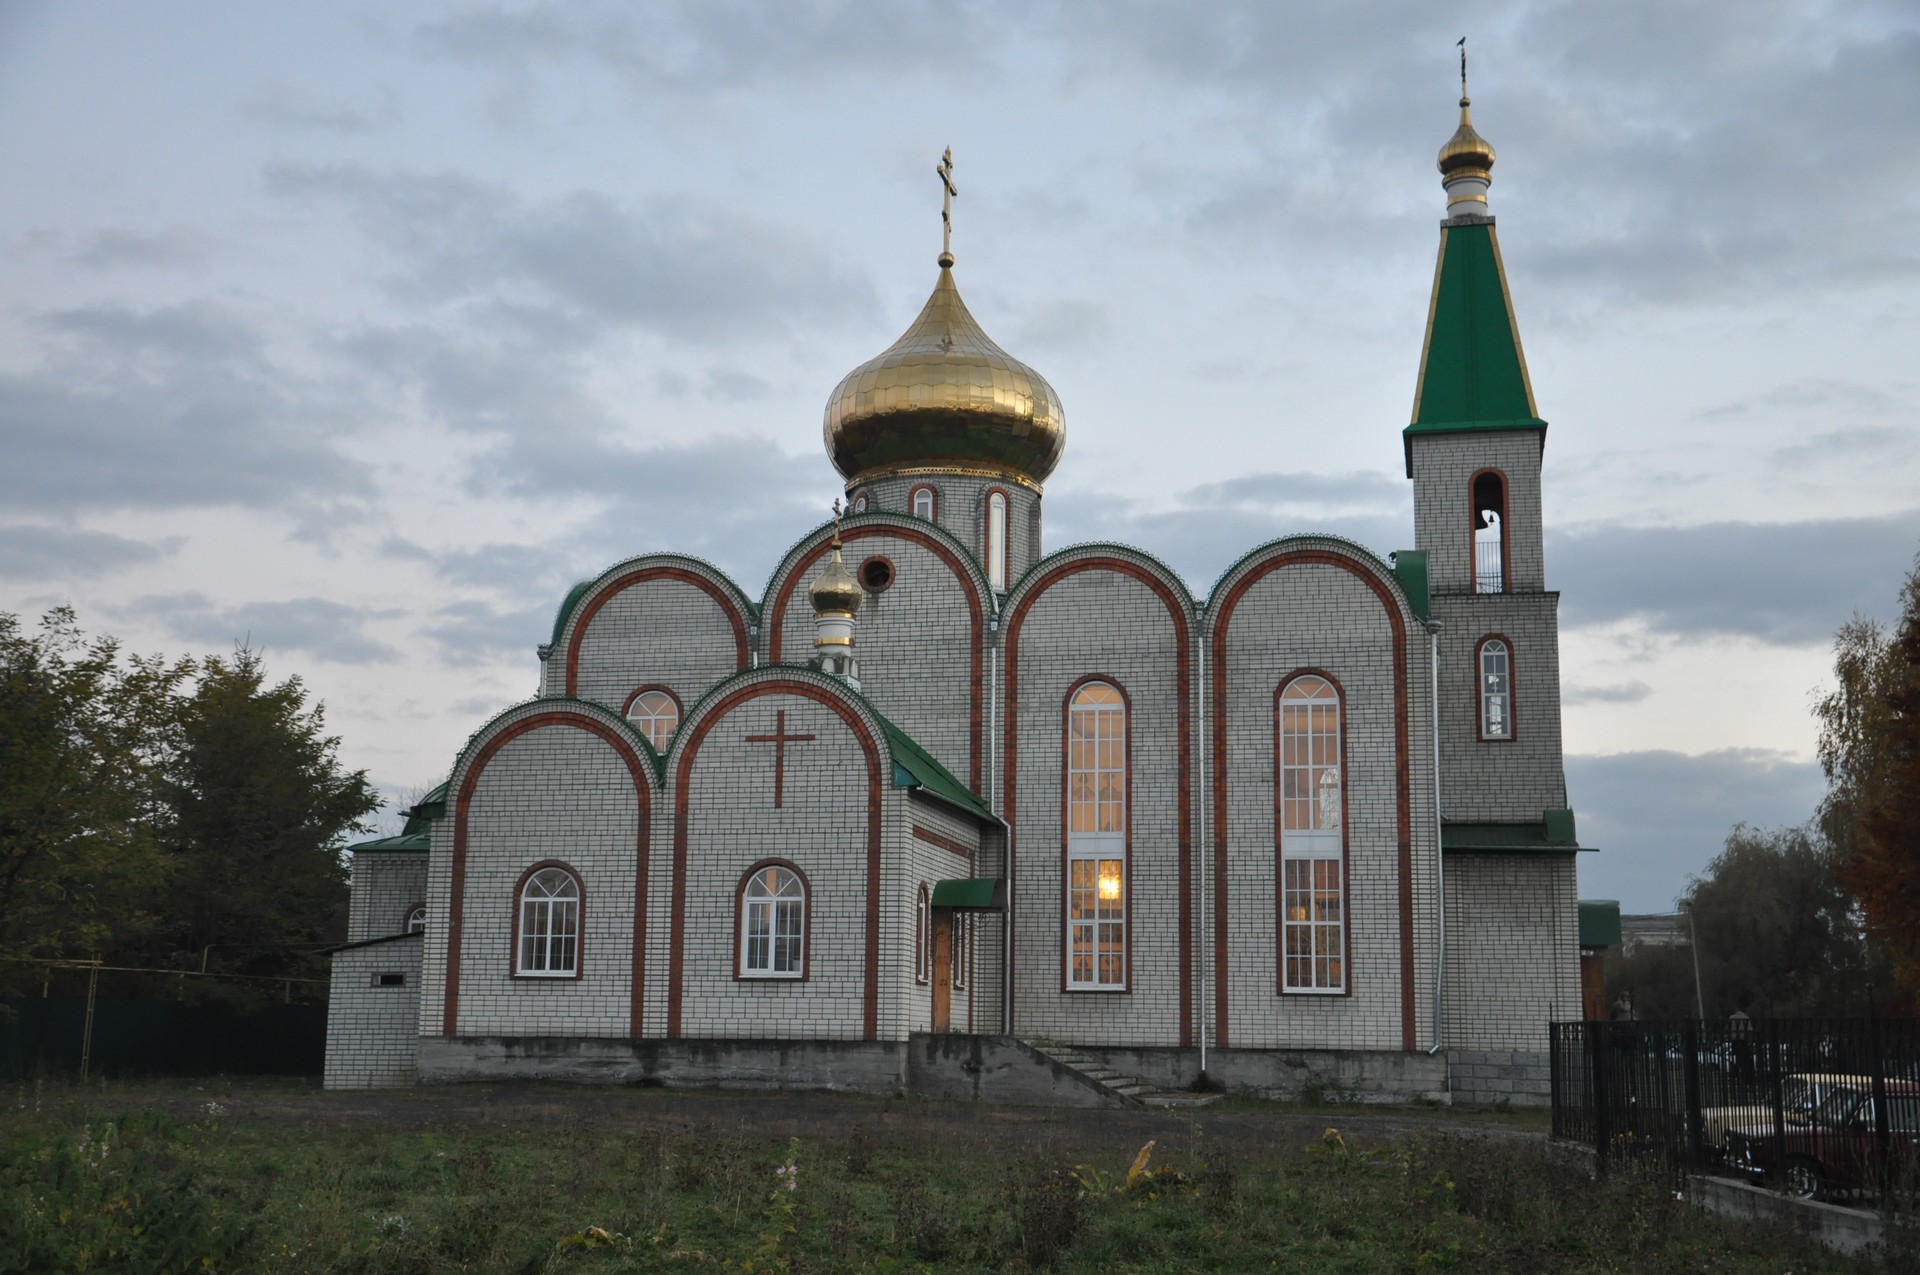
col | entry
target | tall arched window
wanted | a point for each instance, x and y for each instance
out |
(1489, 532)
(997, 540)
(922, 937)
(924, 503)
(1312, 840)
(1097, 838)
(549, 925)
(1496, 689)
(656, 715)
(773, 923)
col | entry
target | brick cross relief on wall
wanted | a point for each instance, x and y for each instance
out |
(779, 739)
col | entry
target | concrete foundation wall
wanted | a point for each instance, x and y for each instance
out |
(1522, 1077)
(1288, 1075)
(996, 1069)
(876, 1067)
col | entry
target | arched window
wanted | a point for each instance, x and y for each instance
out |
(962, 947)
(924, 503)
(1489, 532)
(997, 540)
(1496, 689)
(656, 715)
(550, 925)
(1312, 841)
(417, 919)
(773, 923)
(922, 937)
(860, 503)
(1097, 838)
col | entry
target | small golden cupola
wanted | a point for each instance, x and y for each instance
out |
(835, 595)
(944, 398)
(1466, 161)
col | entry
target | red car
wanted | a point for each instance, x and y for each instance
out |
(1831, 1149)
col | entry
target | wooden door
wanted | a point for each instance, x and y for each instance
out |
(943, 969)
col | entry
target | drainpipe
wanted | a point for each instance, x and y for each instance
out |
(1433, 628)
(1206, 820)
(992, 754)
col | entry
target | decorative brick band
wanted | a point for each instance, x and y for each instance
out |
(642, 576)
(933, 838)
(456, 905)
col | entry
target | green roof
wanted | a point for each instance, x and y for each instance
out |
(405, 842)
(1410, 569)
(1473, 373)
(914, 767)
(978, 894)
(1553, 834)
(1599, 923)
(567, 604)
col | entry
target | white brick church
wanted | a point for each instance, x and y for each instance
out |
(940, 812)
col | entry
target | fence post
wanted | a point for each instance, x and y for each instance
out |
(86, 1033)
(1776, 1088)
(1690, 1042)
(1599, 1066)
(1882, 1135)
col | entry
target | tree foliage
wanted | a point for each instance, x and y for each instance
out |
(1870, 750)
(84, 735)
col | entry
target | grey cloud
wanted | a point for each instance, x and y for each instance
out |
(1373, 492)
(1611, 693)
(471, 633)
(1825, 395)
(36, 552)
(322, 628)
(1659, 817)
(286, 107)
(1789, 583)
(1893, 444)
(737, 387)
(129, 249)
(507, 567)
(677, 267)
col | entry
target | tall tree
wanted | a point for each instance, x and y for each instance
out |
(83, 735)
(1870, 750)
(260, 809)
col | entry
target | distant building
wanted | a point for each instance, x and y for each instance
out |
(936, 781)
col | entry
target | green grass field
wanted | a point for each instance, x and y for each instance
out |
(208, 1177)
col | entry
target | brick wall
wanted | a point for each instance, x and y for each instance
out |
(1513, 949)
(386, 886)
(1443, 522)
(1490, 781)
(960, 508)
(660, 620)
(372, 1022)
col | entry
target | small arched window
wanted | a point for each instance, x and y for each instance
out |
(550, 925)
(922, 937)
(1489, 532)
(997, 540)
(924, 503)
(773, 924)
(1496, 689)
(1312, 843)
(860, 503)
(417, 919)
(1096, 838)
(656, 715)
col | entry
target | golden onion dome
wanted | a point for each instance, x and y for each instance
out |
(944, 397)
(834, 591)
(1466, 154)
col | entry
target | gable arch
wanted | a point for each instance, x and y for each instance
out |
(1233, 587)
(699, 723)
(480, 750)
(579, 612)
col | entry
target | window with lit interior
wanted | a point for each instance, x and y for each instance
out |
(1496, 690)
(773, 920)
(656, 715)
(923, 503)
(550, 925)
(1096, 838)
(997, 540)
(1312, 876)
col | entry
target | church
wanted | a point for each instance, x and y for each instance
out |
(941, 812)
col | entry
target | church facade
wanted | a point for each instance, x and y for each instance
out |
(936, 785)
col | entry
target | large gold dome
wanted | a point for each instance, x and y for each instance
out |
(945, 397)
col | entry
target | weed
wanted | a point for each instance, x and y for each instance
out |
(1048, 1208)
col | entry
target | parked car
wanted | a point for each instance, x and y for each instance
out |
(1830, 1149)
(1800, 1093)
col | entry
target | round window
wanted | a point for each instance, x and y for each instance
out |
(876, 574)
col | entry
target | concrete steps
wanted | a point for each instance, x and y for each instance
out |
(1131, 1090)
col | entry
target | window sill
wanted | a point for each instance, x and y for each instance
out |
(1098, 990)
(547, 976)
(768, 976)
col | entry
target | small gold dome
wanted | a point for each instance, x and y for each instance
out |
(1466, 154)
(945, 397)
(834, 591)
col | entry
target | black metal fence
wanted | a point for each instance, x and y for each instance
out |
(1826, 1108)
(159, 1038)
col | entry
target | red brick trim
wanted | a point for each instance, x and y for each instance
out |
(580, 939)
(1006, 535)
(1183, 711)
(679, 709)
(1126, 836)
(456, 905)
(683, 773)
(806, 923)
(1506, 545)
(1279, 852)
(606, 594)
(1402, 775)
(933, 838)
(777, 621)
(860, 575)
(1513, 692)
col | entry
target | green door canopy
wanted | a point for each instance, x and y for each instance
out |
(971, 894)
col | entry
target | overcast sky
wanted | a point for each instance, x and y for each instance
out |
(360, 331)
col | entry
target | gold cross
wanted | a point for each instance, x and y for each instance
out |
(945, 169)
